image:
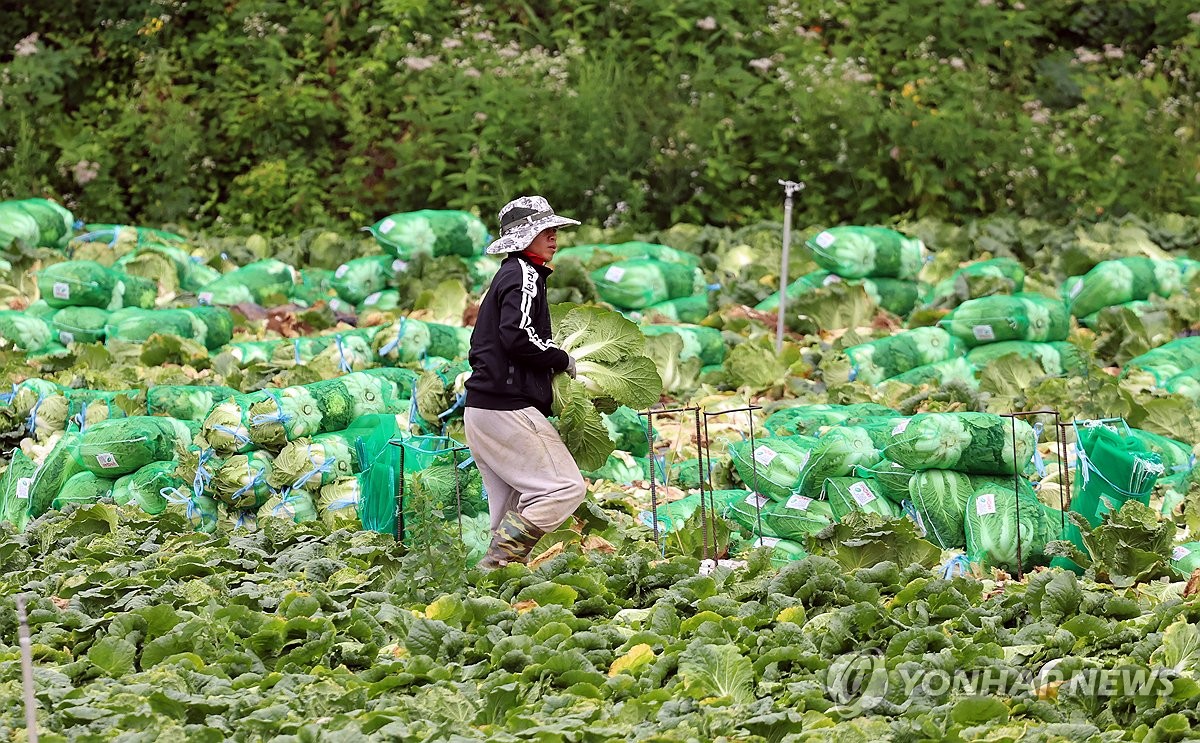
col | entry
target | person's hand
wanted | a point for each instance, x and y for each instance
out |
(570, 370)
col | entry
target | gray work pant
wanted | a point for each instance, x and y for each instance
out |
(525, 466)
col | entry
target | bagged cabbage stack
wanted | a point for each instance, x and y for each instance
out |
(880, 359)
(403, 342)
(209, 326)
(862, 252)
(431, 232)
(795, 518)
(775, 465)
(314, 463)
(338, 504)
(848, 495)
(699, 342)
(939, 500)
(974, 443)
(1159, 365)
(79, 325)
(1119, 281)
(957, 370)
(34, 223)
(254, 283)
(1057, 358)
(89, 284)
(612, 370)
(994, 515)
(82, 488)
(271, 418)
(641, 282)
(598, 255)
(1019, 317)
(898, 296)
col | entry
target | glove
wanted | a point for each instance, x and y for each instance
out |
(570, 370)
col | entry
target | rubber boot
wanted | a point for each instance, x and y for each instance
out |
(511, 542)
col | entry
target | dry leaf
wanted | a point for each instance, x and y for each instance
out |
(61, 603)
(553, 551)
(524, 606)
(593, 543)
(1193, 584)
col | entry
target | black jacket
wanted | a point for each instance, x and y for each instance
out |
(513, 356)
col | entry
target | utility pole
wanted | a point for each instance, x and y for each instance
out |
(789, 188)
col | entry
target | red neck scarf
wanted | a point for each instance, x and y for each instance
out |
(533, 258)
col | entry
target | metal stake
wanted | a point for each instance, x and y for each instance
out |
(653, 490)
(789, 188)
(703, 515)
(27, 670)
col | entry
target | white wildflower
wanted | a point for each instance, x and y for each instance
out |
(27, 46)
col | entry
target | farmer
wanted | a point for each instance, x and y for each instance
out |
(533, 484)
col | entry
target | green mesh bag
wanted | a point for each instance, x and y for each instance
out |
(1169, 360)
(1020, 317)
(993, 517)
(314, 463)
(798, 288)
(981, 279)
(436, 232)
(623, 468)
(254, 283)
(627, 429)
(82, 488)
(120, 446)
(595, 256)
(79, 325)
(975, 443)
(1057, 358)
(775, 465)
(386, 300)
(136, 325)
(403, 342)
(956, 370)
(839, 451)
(794, 518)
(145, 487)
(878, 360)
(58, 467)
(448, 341)
(807, 420)
(638, 283)
(939, 501)
(1185, 558)
(315, 285)
(358, 278)
(685, 309)
(18, 228)
(185, 402)
(848, 495)
(1121, 280)
(699, 342)
(15, 485)
(859, 252)
(55, 223)
(25, 332)
(898, 296)
(891, 479)
(89, 284)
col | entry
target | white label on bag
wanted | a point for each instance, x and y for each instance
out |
(66, 338)
(1176, 554)
(900, 428)
(399, 265)
(767, 541)
(764, 455)
(373, 299)
(614, 273)
(23, 485)
(106, 460)
(61, 290)
(984, 333)
(799, 502)
(985, 504)
(825, 239)
(758, 501)
(386, 225)
(205, 297)
(341, 271)
(861, 493)
(832, 278)
(1076, 289)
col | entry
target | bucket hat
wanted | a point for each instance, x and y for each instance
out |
(521, 220)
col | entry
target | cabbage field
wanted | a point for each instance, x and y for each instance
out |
(958, 502)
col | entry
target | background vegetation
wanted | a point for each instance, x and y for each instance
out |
(276, 115)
